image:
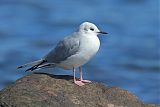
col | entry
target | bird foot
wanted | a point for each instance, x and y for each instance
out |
(86, 81)
(79, 83)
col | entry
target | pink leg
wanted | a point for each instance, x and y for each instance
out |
(81, 78)
(79, 83)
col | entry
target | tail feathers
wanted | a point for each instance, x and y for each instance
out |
(32, 64)
(36, 65)
(41, 66)
(47, 65)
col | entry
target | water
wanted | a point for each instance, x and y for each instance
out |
(128, 57)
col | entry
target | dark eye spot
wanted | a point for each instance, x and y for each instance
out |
(85, 29)
(91, 29)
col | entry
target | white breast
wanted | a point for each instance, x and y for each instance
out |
(89, 46)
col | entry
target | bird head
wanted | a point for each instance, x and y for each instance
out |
(90, 28)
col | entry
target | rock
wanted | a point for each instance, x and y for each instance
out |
(47, 90)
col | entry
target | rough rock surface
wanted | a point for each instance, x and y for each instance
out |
(47, 90)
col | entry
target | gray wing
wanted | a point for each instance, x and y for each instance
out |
(64, 49)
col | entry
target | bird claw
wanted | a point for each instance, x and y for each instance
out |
(86, 81)
(79, 83)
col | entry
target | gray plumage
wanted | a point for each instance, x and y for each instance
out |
(64, 49)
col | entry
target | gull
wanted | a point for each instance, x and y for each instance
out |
(72, 52)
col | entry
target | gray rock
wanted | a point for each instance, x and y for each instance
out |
(47, 90)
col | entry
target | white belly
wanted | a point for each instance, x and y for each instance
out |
(88, 48)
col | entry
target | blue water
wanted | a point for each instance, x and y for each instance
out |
(128, 56)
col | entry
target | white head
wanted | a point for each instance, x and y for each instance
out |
(90, 28)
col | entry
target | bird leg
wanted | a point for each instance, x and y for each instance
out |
(77, 82)
(81, 77)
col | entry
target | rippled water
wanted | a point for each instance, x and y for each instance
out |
(128, 57)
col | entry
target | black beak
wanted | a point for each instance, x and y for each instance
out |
(102, 32)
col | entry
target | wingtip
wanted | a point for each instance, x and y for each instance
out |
(19, 67)
(30, 69)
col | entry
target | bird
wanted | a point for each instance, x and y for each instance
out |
(72, 52)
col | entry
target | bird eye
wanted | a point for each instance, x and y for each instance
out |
(91, 29)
